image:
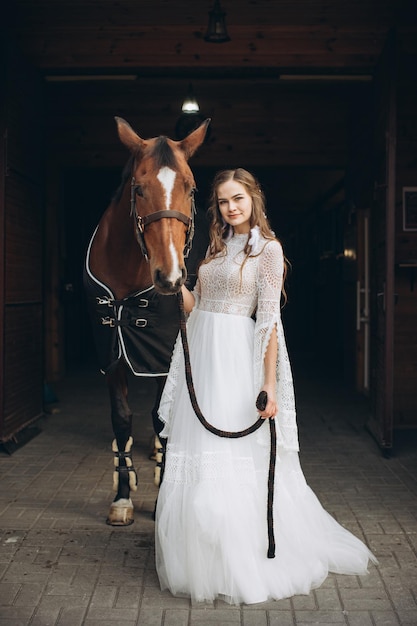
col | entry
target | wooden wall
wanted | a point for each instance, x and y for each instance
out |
(21, 297)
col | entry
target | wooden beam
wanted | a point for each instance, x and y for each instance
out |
(134, 14)
(84, 47)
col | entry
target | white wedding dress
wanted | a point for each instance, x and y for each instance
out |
(211, 517)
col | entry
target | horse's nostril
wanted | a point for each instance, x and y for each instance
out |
(157, 277)
(165, 284)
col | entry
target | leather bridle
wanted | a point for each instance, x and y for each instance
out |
(142, 222)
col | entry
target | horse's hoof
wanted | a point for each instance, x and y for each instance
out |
(121, 513)
(157, 476)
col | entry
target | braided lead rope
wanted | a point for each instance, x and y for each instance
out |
(234, 434)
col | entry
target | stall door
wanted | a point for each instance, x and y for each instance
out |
(21, 331)
(362, 303)
(382, 237)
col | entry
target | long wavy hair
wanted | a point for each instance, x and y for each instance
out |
(221, 231)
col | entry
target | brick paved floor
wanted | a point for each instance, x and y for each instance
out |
(60, 564)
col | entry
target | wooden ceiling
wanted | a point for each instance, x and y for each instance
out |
(282, 37)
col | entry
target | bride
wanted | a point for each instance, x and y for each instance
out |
(211, 529)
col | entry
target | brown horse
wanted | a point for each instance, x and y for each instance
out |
(134, 267)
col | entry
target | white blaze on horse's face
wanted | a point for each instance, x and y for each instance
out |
(166, 177)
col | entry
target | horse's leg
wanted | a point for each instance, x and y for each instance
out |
(125, 478)
(160, 443)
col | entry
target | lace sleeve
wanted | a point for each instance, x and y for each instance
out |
(268, 316)
(269, 283)
(197, 292)
(269, 280)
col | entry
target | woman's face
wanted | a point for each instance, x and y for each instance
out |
(235, 205)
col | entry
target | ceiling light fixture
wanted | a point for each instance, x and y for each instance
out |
(190, 117)
(190, 104)
(216, 30)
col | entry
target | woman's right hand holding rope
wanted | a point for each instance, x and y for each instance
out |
(266, 402)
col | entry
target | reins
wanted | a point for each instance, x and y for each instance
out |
(235, 434)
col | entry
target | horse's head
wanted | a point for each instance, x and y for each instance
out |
(162, 201)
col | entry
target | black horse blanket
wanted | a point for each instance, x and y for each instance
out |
(141, 328)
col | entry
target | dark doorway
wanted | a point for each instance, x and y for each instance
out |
(87, 194)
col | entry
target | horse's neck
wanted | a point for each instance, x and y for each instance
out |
(115, 256)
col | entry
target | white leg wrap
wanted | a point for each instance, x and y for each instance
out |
(129, 463)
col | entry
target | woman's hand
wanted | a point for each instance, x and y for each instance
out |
(189, 300)
(271, 408)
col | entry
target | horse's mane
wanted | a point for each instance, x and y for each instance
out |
(160, 151)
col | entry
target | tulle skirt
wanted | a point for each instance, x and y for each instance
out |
(211, 517)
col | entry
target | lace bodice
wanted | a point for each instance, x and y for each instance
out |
(254, 289)
(224, 286)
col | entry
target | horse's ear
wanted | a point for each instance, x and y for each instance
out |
(128, 136)
(194, 140)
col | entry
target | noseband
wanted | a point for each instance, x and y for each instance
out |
(142, 222)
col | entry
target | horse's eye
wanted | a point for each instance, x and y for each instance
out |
(139, 191)
(192, 191)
